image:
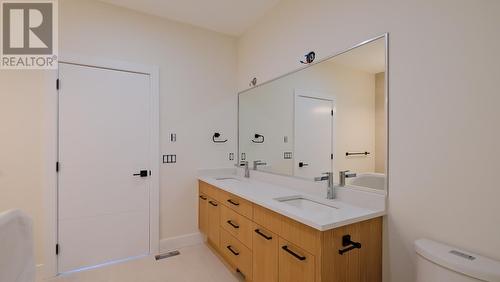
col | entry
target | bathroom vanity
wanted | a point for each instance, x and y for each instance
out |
(300, 131)
(270, 233)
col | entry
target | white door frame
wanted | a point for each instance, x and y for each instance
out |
(319, 96)
(49, 268)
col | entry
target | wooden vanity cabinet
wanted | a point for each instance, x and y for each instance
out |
(295, 263)
(213, 218)
(268, 247)
(265, 254)
(203, 212)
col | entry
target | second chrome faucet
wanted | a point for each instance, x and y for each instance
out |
(328, 176)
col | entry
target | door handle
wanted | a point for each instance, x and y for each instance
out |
(303, 164)
(142, 173)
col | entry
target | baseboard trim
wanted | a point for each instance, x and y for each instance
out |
(173, 243)
(39, 273)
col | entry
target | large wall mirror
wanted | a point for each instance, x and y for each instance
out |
(330, 116)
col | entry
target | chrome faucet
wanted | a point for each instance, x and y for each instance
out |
(343, 175)
(244, 164)
(328, 176)
(247, 171)
(257, 163)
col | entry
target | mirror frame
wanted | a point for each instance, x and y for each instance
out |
(384, 36)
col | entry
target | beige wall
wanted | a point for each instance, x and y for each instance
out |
(21, 152)
(197, 91)
(197, 96)
(443, 108)
(380, 123)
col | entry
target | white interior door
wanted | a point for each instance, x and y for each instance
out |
(313, 136)
(104, 139)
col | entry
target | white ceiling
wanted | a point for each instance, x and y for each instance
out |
(369, 57)
(231, 17)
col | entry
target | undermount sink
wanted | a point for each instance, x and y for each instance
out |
(227, 178)
(307, 204)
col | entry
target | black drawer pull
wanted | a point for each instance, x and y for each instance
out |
(213, 203)
(230, 248)
(297, 256)
(262, 234)
(233, 202)
(232, 224)
(204, 198)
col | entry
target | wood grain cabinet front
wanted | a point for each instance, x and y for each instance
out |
(237, 204)
(202, 213)
(213, 218)
(295, 264)
(239, 256)
(237, 225)
(266, 246)
(265, 254)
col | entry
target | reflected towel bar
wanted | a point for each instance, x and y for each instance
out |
(357, 153)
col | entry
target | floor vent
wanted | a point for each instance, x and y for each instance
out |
(167, 255)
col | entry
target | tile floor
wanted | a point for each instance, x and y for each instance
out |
(195, 264)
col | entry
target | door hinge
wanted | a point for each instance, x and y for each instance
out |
(57, 84)
(57, 166)
(57, 249)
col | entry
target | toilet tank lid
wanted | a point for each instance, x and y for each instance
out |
(458, 260)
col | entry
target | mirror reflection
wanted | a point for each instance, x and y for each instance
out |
(328, 117)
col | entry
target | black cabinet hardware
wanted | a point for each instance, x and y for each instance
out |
(213, 203)
(303, 164)
(142, 173)
(233, 202)
(263, 235)
(204, 198)
(351, 245)
(233, 224)
(230, 248)
(297, 256)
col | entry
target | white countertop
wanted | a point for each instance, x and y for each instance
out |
(264, 194)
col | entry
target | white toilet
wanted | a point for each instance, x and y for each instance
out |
(437, 262)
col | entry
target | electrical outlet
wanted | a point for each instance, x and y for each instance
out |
(169, 159)
(243, 156)
(231, 156)
(173, 137)
(287, 155)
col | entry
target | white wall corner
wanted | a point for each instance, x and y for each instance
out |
(187, 240)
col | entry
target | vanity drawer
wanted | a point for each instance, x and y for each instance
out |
(267, 219)
(237, 225)
(236, 253)
(301, 235)
(237, 204)
(295, 264)
(265, 254)
(209, 190)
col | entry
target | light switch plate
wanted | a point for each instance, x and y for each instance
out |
(169, 159)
